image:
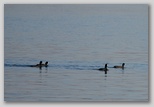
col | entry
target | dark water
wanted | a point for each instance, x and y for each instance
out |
(75, 40)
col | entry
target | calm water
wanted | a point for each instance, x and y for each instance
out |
(76, 40)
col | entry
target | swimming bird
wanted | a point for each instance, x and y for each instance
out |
(103, 69)
(45, 65)
(37, 65)
(123, 64)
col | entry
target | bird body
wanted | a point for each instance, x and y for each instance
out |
(103, 69)
(37, 65)
(44, 65)
(40, 65)
(119, 66)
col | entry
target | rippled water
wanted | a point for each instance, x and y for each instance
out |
(75, 40)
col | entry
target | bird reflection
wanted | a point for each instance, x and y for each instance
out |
(46, 69)
(40, 69)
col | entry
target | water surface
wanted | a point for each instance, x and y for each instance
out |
(76, 40)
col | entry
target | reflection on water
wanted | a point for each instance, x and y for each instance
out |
(76, 40)
(64, 84)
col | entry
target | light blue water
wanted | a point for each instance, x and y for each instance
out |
(76, 40)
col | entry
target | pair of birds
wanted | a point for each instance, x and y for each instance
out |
(105, 68)
(41, 64)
